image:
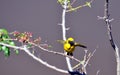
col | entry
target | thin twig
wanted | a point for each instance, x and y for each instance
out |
(98, 72)
(78, 7)
(85, 60)
(89, 57)
(73, 2)
(51, 51)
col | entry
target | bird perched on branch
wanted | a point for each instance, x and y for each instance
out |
(69, 45)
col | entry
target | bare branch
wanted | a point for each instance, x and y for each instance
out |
(107, 20)
(43, 62)
(44, 49)
(85, 61)
(64, 31)
(24, 48)
(73, 2)
(51, 51)
(89, 57)
(98, 72)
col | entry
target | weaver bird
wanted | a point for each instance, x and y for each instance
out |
(69, 45)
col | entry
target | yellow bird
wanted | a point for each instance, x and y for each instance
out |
(69, 46)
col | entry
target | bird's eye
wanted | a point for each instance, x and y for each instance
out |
(71, 43)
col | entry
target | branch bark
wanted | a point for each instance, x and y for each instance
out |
(24, 48)
(64, 32)
(107, 20)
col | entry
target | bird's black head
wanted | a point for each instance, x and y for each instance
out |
(71, 43)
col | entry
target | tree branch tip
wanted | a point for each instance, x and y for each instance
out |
(89, 64)
(86, 50)
(107, 20)
(93, 52)
(111, 20)
(89, 55)
(98, 72)
(97, 46)
(67, 28)
(92, 1)
(100, 18)
(73, 2)
(59, 24)
(12, 32)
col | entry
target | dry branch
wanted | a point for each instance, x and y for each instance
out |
(107, 20)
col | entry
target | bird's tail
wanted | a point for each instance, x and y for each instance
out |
(80, 45)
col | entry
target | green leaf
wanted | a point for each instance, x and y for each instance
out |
(88, 4)
(68, 1)
(50, 46)
(4, 37)
(0, 48)
(16, 52)
(12, 43)
(62, 1)
(3, 31)
(0, 34)
(59, 1)
(7, 52)
(4, 48)
(29, 45)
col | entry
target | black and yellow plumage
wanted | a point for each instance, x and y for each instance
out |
(69, 46)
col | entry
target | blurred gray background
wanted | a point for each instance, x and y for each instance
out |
(42, 17)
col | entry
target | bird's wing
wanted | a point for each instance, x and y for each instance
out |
(61, 41)
(80, 45)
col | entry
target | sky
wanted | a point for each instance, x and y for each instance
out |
(41, 17)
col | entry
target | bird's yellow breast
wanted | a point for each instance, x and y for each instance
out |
(68, 47)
